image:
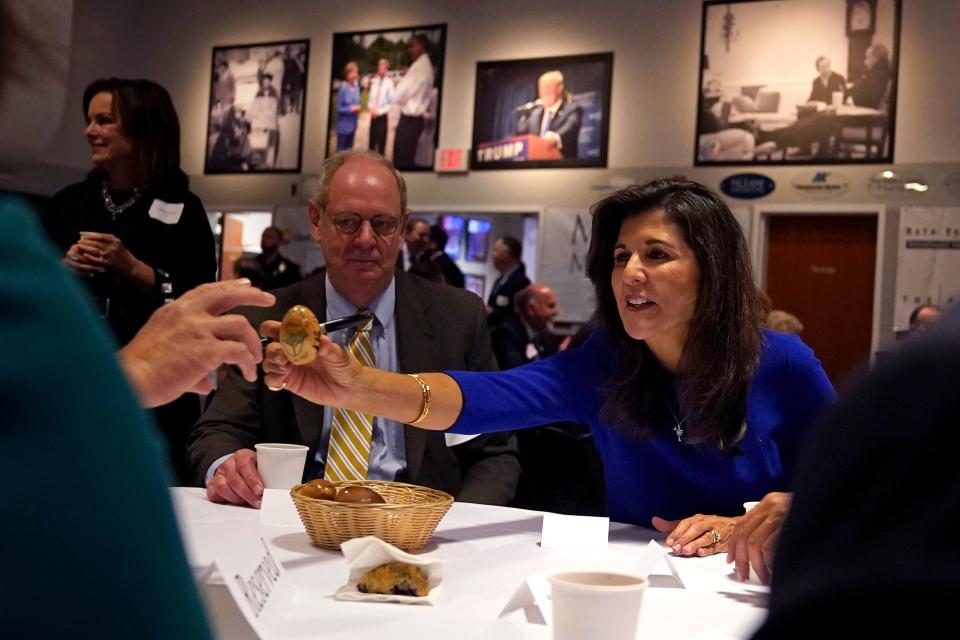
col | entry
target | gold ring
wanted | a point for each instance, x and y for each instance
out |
(716, 536)
(282, 386)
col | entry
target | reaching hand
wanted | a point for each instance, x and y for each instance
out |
(697, 535)
(183, 341)
(327, 380)
(754, 540)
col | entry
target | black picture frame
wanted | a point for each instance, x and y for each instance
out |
(508, 111)
(252, 133)
(365, 49)
(759, 104)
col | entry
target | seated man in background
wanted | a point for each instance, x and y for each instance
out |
(562, 471)
(826, 83)
(924, 316)
(419, 326)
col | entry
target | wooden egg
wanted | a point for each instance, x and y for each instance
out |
(298, 334)
(360, 495)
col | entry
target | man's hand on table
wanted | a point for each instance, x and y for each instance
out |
(755, 536)
(237, 481)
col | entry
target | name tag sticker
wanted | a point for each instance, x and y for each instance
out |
(502, 301)
(166, 212)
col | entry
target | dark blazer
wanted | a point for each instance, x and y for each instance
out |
(566, 124)
(501, 296)
(875, 510)
(451, 272)
(438, 327)
(510, 340)
(825, 94)
(871, 89)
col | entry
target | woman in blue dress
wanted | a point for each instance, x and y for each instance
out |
(348, 106)
(694, 407)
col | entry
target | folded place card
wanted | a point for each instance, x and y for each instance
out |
(653, 556)
(277, 508)
(581, 533)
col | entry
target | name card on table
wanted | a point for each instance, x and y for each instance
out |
(652, 557)
(277, 508)
(581, 533)
(256, 581)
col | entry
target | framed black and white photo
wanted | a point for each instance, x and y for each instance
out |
(542, 112)
(385, 93)
(255, 118)
(797, 82)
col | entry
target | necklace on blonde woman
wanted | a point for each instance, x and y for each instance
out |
(678, 429)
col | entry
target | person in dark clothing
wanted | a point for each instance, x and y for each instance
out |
(513, 277)
(133, 231)
(874, 514)
(871, 89)
(278, 271)
(548, 453)
(436, 241)
(826, 82)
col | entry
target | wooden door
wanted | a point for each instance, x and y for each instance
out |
(821, 269)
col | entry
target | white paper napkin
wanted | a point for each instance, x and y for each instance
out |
(365, 553)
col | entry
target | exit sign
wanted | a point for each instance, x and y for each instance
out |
(451, 160)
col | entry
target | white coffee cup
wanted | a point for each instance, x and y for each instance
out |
(837, 98)
(596, 604)
(281, 465)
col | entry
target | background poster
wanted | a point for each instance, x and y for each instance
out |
(928, 260)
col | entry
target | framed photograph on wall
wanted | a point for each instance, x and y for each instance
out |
(385, 93)
(773, 92)
(453, 225)
(255, 116)
(478, 239)
(542, 112)
(476, 284)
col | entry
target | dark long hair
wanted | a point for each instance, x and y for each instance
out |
(148, 117)
(725, 338)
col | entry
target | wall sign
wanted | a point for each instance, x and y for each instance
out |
(889, 184)
(747, 186)
(820, 184)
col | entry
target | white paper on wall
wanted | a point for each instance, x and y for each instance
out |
(565, 237)
(928, 260)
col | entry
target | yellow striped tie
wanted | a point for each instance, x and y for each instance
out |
(351, 432)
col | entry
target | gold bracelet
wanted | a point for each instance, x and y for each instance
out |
(425, 389)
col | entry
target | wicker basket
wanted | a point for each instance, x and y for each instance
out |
(407, 520)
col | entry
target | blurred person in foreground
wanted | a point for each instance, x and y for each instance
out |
(687, 431)
(116, 538)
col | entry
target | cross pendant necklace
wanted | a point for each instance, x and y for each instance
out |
(678, 429)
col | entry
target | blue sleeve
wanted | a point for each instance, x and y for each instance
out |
(806, 393)
(564, 387)
(343, 100)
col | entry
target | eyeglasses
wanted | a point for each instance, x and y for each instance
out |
(350, 222)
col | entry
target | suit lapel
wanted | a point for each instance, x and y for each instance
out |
(416, 329)
(310, 415)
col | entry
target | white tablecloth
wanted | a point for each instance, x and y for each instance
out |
(487, 552)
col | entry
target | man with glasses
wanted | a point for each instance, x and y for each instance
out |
(418, 326)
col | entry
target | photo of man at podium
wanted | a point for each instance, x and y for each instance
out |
(543, 112)
(553, 116)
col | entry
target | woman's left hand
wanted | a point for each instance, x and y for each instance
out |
(108, 251)
(697, 535)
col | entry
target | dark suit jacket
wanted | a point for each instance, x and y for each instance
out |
(876, 508)
(510, 340)
(451, 272)
(438, 327)
(501, 297)
(566, 123)
(825, 94)
(871, 89)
